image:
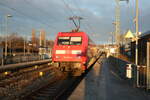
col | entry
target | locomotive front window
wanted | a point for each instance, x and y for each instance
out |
(63, 40)
(69, 40)
(75, 41)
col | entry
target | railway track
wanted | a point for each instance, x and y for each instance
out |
(40, 82)
(53, 91)
(59, 90)
(13, 83)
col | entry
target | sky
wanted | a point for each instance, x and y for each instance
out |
(52, 16)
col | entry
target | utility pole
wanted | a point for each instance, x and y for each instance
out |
(112, 37)
(40, 39)
(137, 31)
(6, 45)
(24, 51)
(43, 39)
(33, 37)
(117, 23)
(137, 34)
(41, 47)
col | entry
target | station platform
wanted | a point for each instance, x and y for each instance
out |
(102, 83)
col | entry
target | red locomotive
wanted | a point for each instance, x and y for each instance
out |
(72, 51)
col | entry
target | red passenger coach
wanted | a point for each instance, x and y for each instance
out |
(70, 51)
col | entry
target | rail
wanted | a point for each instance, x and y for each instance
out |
(60, 88)
(22, 65)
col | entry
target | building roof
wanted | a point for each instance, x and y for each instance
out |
(129, 34)
(144, 34)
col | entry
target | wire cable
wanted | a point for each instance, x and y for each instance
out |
(81, 12)
(30, 17)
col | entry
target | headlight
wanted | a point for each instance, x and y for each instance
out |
(60, 51)
(76, 51)
(79, 56)
(84, 62)
(57, 56)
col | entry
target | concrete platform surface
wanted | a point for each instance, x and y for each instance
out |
(102, 83)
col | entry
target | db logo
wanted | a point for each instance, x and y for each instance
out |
(68, 51)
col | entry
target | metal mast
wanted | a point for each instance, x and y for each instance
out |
(137, 30)
(136, 43)
(117, 23)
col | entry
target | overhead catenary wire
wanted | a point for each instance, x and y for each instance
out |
(70, 11)
(82, 14)
(40, 10)
(43, 11)
(88, 25)
(30, 17)
(68, 7)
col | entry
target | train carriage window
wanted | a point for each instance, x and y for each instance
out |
(69, 40)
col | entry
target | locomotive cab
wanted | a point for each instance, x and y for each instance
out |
(69, 51)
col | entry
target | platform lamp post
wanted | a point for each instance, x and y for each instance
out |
(6, 38)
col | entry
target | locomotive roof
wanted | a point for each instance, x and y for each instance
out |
(71, 33)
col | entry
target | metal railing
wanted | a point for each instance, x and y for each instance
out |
(21, 59)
